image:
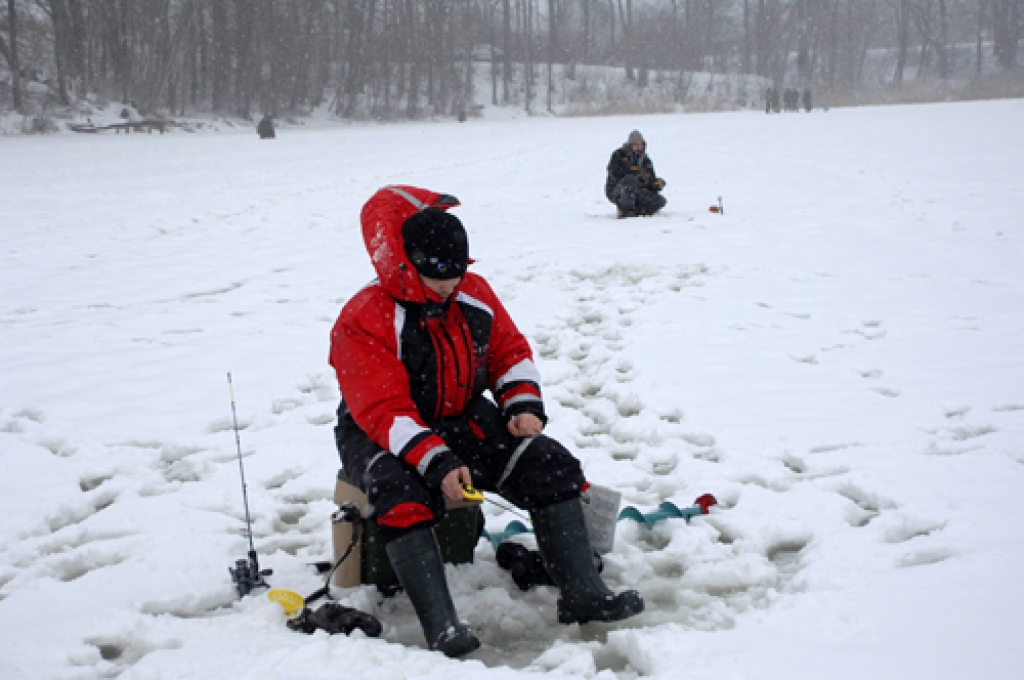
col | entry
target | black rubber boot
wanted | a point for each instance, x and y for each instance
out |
(565, 546)
(416, 560)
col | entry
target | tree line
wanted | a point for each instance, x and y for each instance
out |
(412, 58)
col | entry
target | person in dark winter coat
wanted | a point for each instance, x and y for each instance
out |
(631, 184)
(439, 390)
(265, 128)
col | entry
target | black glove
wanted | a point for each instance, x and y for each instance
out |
(527, 567)
(443, 463)
(335, 618)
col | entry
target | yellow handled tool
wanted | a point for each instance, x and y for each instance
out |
(470, 493)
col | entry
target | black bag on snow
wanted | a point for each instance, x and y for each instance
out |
(335, 618)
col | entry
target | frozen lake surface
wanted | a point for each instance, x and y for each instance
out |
(838, 358)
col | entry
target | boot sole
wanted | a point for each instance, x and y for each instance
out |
(626, 608)
(459, 648)
(457, 644)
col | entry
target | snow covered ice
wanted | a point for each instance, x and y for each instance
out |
(838, 358)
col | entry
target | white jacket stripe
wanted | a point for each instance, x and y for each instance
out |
(401, 433)
(525, 370)
(399, 323)
(473, 302)
(416, 203)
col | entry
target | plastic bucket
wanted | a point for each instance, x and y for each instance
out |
(601, 512)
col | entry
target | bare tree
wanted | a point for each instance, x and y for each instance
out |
(10, 52)
(1006, 30)
(902, 9)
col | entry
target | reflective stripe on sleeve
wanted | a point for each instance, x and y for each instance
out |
(402, 431)
(525, 370)
(428, 458)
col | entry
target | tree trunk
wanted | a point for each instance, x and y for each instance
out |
(244, 58)
(765, 37)
(1006, 30)
(11, 55)
(943, 46)
(611, 12)
(124, 57)
(902, 39)
(978, 54)
(220, 89)
(78, 46)
(585, 46)
(552, 41)
(528, 39)
(58, 16)
(746, 34)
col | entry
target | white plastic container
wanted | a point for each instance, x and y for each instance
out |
(601, 512)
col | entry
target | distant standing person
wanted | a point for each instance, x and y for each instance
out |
(265, 128)
(775, 99)
(807, 100)
(631, 184)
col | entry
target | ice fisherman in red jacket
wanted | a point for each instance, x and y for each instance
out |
(416, 353)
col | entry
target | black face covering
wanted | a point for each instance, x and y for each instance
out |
(436, 244)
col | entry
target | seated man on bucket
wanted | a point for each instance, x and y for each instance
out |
(632, 185)
(415, 351)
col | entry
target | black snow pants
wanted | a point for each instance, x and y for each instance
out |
(633, 199)
(529, 472)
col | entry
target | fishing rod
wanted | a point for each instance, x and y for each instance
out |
(506, 508)
(246, 573)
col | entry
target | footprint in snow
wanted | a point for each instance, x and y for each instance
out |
(794, 464)
(956, 412)
(84, 562)
(93, 480)
(808, 359)
(890, 392)
(80, 511)
(925, 556)
(33, 414)
(58, 446)
(903, 528)
(111, 656)
(866, 506)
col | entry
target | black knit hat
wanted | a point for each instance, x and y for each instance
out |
(436, 244)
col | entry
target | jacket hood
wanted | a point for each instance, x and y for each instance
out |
(382, 218)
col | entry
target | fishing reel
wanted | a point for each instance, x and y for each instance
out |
(347, 512)
(247, 574)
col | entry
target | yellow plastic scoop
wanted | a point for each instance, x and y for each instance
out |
(289, 599)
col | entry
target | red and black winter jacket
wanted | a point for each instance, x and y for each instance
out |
(404, 360)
